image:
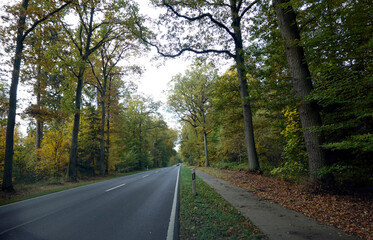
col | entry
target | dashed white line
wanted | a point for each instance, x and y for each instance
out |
(115, 187)
(145, 176)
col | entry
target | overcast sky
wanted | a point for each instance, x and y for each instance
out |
(153, 82)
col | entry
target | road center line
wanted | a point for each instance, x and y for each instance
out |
(145, 176)
(115, 187)
(171, 225)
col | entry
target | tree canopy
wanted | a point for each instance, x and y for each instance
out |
(295, 103)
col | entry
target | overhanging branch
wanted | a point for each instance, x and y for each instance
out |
(44, 18)
(248, 8)
(204, 15)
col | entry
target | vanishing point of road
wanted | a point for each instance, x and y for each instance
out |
(139, 206)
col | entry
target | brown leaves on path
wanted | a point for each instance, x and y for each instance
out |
(353, 214)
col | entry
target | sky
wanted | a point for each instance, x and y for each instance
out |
(153, 82)
(157, 75)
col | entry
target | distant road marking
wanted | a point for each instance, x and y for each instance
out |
(145, 176)
(115, 187)
(171, 225)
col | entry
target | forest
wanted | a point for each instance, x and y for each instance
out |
(295, 103)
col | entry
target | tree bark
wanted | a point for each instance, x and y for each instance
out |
(108, 130)
(206, 153)
(39, 122)
(78, 98)
(74, 138)
(205, 139)
(7, 185)
(302, 85)
(245, 98)
(102, 138)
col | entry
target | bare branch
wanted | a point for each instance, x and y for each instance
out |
(248, 8)
(189, 50)
(208, 15)
(44, 18)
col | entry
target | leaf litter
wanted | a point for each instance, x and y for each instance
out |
(353, 213)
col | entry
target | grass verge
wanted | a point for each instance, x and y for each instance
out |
(27, 191)
(208, 215)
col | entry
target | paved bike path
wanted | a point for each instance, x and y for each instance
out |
(274, 220)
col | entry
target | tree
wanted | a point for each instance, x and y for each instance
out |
(135, 125)
(190, 97)
(109, 55)
(92, 33)
(228, 119)
(336, 38)
(164, 140)
(219, 23)
(302, 84)
(23, 30)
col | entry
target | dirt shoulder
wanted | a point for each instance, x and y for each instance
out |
(352, 214)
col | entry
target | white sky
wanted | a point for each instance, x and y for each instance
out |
(153, 82)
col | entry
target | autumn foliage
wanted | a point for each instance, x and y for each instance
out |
(349, 211)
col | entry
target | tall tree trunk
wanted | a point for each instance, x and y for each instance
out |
(8, 164)
(102, 138)
(205, 139)
(245, 99)
(74, 138)
(39, 123)
(302, 85)
(39, 136)
(206, 153)
(78, 98)
(108, 130)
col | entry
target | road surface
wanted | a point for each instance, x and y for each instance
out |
(131, 207)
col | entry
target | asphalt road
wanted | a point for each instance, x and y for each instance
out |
(132, 207)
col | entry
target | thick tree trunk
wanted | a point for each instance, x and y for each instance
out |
(245, 99)
(248, 121)
(102, 139)
(302, 85)
(8, 163)
(74, 138)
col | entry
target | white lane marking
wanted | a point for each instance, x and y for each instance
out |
(145, 176)
(115, 187)
(171, 225)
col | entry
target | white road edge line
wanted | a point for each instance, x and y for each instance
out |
(115, 187)
(171, 225)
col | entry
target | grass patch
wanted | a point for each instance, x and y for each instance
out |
(27, 191)
(208, 215)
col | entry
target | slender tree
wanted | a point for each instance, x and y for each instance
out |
(23, 30)
(108, 57)
(94, 31)
(191, 95)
